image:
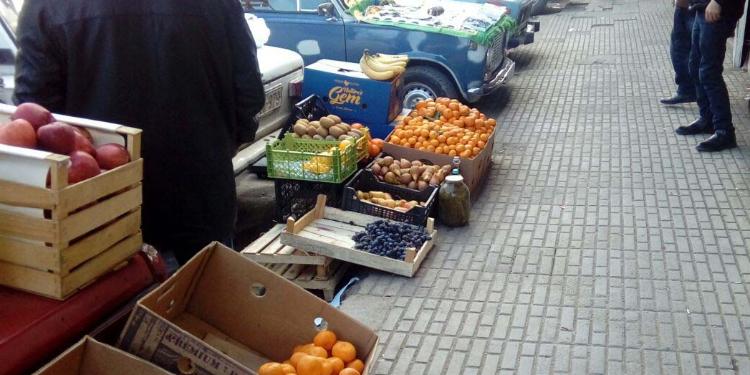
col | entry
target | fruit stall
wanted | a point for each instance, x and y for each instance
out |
(359, 181)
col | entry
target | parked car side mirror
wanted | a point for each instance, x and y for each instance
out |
(326, 10)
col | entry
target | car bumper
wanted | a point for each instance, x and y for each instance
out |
(502, 76)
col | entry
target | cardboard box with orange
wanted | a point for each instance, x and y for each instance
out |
(224, 314)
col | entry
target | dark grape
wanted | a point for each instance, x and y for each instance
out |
(390, 239)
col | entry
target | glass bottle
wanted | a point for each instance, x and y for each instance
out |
(454, 201)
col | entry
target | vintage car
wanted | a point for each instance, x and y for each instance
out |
(440, 64)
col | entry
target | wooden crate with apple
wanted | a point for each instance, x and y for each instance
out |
(65, 220)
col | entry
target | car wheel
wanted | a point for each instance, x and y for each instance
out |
(540, 7)
(424, 82)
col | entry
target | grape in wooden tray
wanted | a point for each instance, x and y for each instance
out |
(390, 239)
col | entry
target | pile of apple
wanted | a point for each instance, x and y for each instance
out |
(33, 126)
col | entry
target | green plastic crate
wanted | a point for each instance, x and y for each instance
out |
(310, 160)
(362, 143)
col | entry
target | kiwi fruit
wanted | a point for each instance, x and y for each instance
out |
(300, 129)
(326, 122)
(336, 131)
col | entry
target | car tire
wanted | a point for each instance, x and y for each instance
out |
(540, 7)
(422, 82)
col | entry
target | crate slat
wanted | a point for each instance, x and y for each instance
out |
(268, 249)
(85, 192)
(101, 240)
(15, 194)
(82, 222)
(24, 226)
(101, 264)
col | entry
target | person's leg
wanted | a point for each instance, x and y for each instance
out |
(680, 51)
(713, 46)
(703, 124)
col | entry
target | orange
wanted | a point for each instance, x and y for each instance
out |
(327, 368)
(325, 339)
(491, 122)
(318, 351)
(484, 137)
(271, 368)
(345, 351)
(303, 348)
(357, 365)
(460, 148)
(452, 140)
(309, 365)
(288, 369)
(441, 138)
(336, 364)
(452, 153)
(395, 139)
(439, 150)
(373, 150)
(378, 142)
(349, 371)
(294, 360)
(465, 154)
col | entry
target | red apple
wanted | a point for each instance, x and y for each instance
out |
(83, 144)
(57, 137)
(111, 156)
(35, 114)
(18, 133)
(84, 132)
(82, 166)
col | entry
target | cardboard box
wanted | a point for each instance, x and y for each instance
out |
(224, 314)
(90, 357)
(351, 95)
(473, 170)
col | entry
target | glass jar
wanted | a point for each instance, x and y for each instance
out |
(454, 201)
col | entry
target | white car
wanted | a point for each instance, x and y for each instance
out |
(280, 69)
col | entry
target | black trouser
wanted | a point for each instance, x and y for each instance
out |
(706, 67)
(680, 50)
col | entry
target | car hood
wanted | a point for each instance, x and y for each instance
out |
(275, 62)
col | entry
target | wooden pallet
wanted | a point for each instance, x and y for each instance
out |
(268, 249)
(308, 277)
(329, 231)
(58, 238)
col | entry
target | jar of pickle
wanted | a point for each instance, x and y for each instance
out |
(454, 201)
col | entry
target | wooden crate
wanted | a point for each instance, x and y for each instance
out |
(268, 249)
(328, 231)
(309, 277)
(57, 238)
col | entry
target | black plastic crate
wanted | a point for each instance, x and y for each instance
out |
(296, 197)
(366, 181)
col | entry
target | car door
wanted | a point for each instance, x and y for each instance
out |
(313, 28)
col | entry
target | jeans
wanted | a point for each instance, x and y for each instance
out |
(680, 50)
(707, 66)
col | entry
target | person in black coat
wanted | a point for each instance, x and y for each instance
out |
(184, 71)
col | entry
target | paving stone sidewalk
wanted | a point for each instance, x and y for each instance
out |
(603, 243)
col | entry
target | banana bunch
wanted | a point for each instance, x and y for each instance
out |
(382, 67)
(320, 164)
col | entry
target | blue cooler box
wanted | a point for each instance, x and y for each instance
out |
(351, 95)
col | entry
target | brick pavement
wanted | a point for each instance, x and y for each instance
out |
(603, 242)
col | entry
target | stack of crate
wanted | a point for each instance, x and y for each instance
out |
(308, 270)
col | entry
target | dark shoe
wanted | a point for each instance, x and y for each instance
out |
(678, 99)
(698, 126)
(721, 140)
